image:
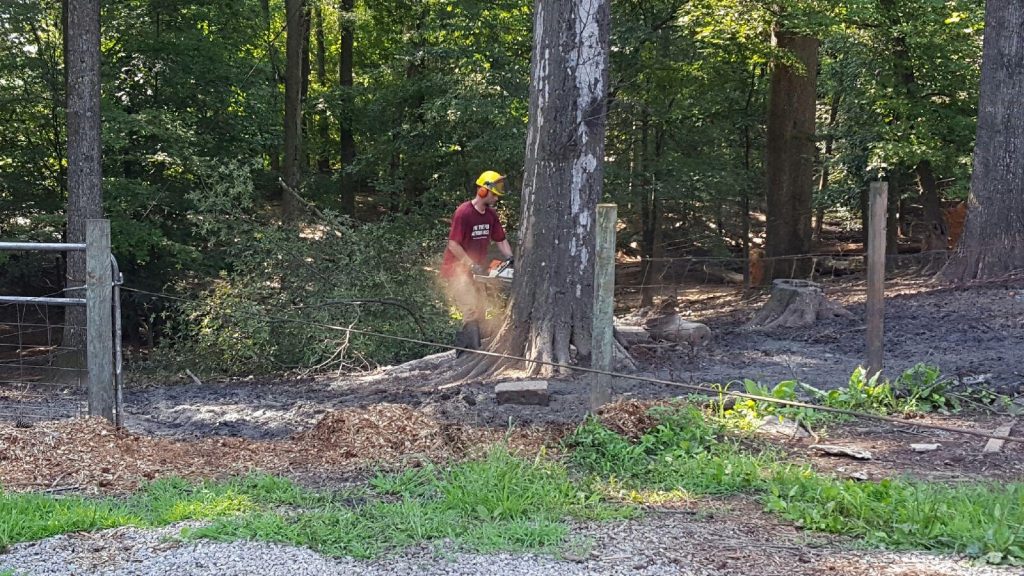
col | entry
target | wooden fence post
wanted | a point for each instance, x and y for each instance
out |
(99, 319)
(877, 211)
(602, 332)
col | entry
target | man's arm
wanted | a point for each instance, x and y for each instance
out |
(459, 253)
(505, 248)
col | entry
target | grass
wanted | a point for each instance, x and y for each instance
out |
(982, 520)
(689, 455)
(507, 503)
(498, 503)
(26, 517)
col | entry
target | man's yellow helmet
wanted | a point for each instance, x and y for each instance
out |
(492, 181)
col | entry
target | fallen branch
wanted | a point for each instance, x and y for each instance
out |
(194, 378)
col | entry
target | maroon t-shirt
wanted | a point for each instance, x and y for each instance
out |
(474, 232)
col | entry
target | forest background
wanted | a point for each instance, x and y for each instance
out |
(403, 102)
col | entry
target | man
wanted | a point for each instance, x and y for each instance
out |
(474, 225)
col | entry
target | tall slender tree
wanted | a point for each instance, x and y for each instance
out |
(993, 240)
(348, 143)
(85, 199)
(293, 82)
(790, 158)
(323, 160)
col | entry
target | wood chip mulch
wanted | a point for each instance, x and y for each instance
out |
(89, 455)
(630, 418)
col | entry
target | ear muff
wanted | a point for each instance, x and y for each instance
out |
(482, 192)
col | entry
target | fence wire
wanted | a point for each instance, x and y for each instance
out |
(696, 388)
(667, 273)
(40, 377)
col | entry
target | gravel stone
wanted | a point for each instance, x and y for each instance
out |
(677, 544)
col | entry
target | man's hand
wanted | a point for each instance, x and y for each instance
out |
(478, 270)
(509, 262)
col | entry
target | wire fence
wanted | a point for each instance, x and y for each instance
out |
(36, 382)
(41, 378)
(754, 272)
(689, 387)
(60, 353)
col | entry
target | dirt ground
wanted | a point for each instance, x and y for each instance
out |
(329, 430)
(974, 333)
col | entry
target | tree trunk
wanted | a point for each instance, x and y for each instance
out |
(323, 160)
(414, 185)
(993, 239)
(348, 144)
(937, 234)
(275, 63)
(826, 164)
(307, 21)
(892, 217)
(273, 150)
(85, 199)
(650, 210)
(790, 154)
(290, 205)
(753, 271)
(552, 303)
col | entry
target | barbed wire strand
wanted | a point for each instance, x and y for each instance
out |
(596, 371)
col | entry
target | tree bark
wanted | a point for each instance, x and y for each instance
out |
(294, 10)
(650, 224)
(790, 155)
(937, 235)
(993, 239)
(795, 303)
(271, 47)
(826, 164)
(892, 219)
(307, 21)
(273, 150)
(552, 302)
(348, 144)
(323, 160)
(85, 199)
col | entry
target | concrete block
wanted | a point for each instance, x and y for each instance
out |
(529, 392)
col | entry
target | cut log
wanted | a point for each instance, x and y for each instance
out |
(631, 335)
(795, 303)
(672, 328)
(722, 275)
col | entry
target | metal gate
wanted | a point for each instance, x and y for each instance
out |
(41, 376)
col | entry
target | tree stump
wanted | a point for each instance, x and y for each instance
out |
(795, 303)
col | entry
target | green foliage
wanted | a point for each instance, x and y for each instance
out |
(748, 413)
(862, 393)
(290, 296)
(683, 451)
(921, 388)
(982, 521)
(687, 454)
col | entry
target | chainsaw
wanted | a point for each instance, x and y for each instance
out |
(499, 274)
